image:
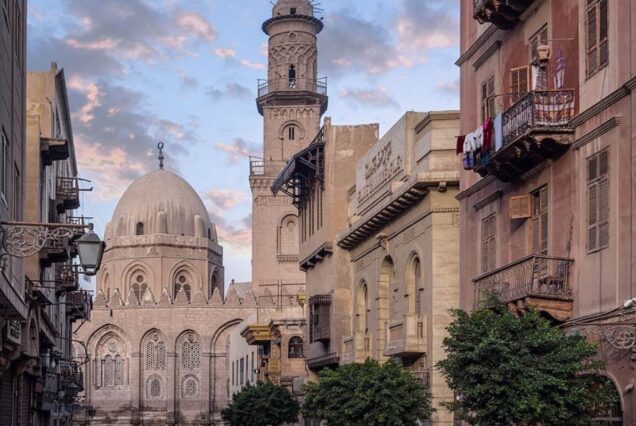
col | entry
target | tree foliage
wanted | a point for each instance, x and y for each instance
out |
(368, 394)
(507, 370)
(262, 405)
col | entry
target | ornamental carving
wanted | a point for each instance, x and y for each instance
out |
(381, 165)
(25, 241)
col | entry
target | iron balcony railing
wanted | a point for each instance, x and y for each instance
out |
(259, 167)
(538, 276)
(265, 87)
(549, 110)
(79, 305)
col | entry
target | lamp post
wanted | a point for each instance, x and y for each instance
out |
(24, 239)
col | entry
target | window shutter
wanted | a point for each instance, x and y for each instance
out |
(592, 194)
(592, 62)
(520, 207)
(535, 235)
(603, 213)
(603, 33)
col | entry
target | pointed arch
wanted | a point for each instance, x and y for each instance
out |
(188, 349)
(137, 276)
(414, 283)
(183, 276)
(110, 349)
(153, 347)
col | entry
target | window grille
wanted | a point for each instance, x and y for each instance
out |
(109, 372)
(119, 371)
(190, 388)
(191, 353)
(155, 388)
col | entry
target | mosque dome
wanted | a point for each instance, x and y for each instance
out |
(162, 203)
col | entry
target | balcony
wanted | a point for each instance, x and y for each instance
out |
(542, 282)
(319, 314)
(67, 194)
(38, 292)
(78, 305)
(257, 334)
(53, 149)
(261, 168)
(356, 348)
(66, 279)
(55, 250)
(503, 14)
(406, 337)
(535, 129)
(309, 91)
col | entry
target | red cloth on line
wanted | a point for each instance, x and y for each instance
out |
(488, 134)
(460, 144)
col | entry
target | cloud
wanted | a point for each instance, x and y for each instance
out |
(236, 234)
(349, 43)
(378, 97)
(226, 198)
(450, 87)
(225, 53)
(194, 23)
(253, 65)
(425, 25)
(239, 149)
(116, 135)
(231, 90)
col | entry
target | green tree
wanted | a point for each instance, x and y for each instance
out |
(262, 405)
(508, 370)
(368, 394)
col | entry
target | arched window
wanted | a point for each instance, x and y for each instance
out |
(190, 353)
(292, 76)
(183, 282)
(108, 371)
(417, 271)
(291, 133)
(414, 286)
(610, 413)
(155, 353)
(112, 373)
(295, 347)
(190, 388)
(139, 228)
(154, 388)
(119, 370)
(140, 285)
(288, 236)
(215, 282)
(363, 308)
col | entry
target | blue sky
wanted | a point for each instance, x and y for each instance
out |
(185, 71)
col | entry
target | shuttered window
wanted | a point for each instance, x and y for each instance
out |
(518, 83)
(598, 201)
(540, 222)
(488, 243)
(597, 37)
(488, 98)
(540, 38)
(519, 207)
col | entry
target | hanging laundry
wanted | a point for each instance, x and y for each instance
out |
(498, 130)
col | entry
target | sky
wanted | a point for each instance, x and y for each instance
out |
(185, 72)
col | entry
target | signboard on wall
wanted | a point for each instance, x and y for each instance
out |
(381, 164)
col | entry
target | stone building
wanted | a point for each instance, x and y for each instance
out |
(546, 208)
(17, 380)
(51, 195)
(383, 273)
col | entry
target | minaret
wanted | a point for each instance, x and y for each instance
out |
(292, 101)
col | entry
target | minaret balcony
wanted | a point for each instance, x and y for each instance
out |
(289, 91)
(535, 129)
(503, 14)
(541, 282)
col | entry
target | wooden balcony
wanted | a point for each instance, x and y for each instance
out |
(542, 282)
(67, 195)
(257, 334)
(406, 337)
(53, 149)
(319, 315)
(356, 348)
(503, 14)
(55, 250)
(535, 129)
(79, 305)
(66, 279)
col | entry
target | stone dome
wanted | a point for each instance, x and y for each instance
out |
(162, 203)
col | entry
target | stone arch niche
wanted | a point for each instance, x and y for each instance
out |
(288, 236)
(137, 278)
(414, 284)
(384, 303)
(107, 374)
(190, 370)
(220, 369)
(216, 282)
(184, 282)
(362, 308)
(154, 369)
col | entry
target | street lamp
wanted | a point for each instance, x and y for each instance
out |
(23, 239)
(90, 249)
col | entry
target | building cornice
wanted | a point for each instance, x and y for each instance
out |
(604, 103)
(489, 199)
(481, 184)
(481, 40)
(436, 115)
(597, 132)
(487, 54)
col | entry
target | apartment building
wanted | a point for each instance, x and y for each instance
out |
(547, 205)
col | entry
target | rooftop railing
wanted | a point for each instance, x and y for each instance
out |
(265, 87)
